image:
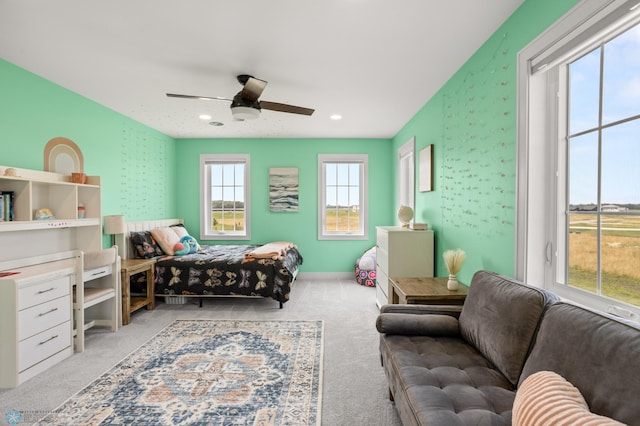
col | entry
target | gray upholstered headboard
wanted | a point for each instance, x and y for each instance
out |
(125, 248)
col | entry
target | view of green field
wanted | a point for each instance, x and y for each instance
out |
(620, 255)
(227, 220)
(342, 219)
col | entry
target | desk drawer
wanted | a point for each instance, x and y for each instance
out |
(41, 317)
(92, 274)
(43, 345)
(35, 294)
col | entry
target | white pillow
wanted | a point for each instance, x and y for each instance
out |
(166, 239)
(368, 260)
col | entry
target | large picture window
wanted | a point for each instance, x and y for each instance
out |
(342, 196)
(579, 158)
(224, 197)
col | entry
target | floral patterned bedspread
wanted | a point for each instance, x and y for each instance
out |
(223, 270)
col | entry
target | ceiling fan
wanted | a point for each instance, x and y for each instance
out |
(245, 104)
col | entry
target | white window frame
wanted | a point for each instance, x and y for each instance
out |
(539, 162)
(406, 174)
(205, 197)
(363, 232)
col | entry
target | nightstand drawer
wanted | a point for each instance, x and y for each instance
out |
(41, 317)
(31, 295)
(43, 345)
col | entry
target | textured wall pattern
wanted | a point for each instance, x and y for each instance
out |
(146, 176)
(477, 171)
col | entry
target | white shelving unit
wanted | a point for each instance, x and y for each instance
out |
(40, 251)
(33, 190)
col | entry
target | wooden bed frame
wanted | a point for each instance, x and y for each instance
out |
(126, 251)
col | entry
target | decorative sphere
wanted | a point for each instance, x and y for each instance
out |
(405, 214)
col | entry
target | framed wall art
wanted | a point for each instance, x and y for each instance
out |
(283, 189)
(426, 168)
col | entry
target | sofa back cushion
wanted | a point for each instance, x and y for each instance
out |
(500, 318)
(598, 353)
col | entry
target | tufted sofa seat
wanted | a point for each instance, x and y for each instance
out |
(449, 365)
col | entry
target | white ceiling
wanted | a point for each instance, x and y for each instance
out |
(375, 62)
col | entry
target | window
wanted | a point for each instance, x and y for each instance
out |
(580, 186)
(342, 197)
(224, 200)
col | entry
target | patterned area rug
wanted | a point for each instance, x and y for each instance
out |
(209, 372)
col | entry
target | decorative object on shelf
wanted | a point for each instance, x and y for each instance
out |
(426, 168)
(78, 178)
(114, 225)
(62, 155)
(405, 214)
(453, 260)
(81, 211)
(11, 172)
(44, 214)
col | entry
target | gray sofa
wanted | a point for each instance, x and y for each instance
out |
(449, 365)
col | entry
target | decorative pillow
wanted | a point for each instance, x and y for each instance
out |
(166, 238)
(547, 399)
(180, 230)
(145, 246)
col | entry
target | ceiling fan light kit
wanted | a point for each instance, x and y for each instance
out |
(245, 104)
(244, 113)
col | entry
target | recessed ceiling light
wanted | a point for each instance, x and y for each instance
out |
(205, 117)
(216, 123)
(336, 117)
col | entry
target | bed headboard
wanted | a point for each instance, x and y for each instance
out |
(125, 248)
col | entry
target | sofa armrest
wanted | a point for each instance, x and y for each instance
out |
(420, 325)
(452, 310)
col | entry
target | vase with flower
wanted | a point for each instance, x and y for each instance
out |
(453, 260)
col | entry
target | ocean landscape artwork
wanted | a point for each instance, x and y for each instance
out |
(283, 189)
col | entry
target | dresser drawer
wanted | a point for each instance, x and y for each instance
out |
(35, 294)
(38, 318)
(382, 238)
(382, 260)
(43, 345)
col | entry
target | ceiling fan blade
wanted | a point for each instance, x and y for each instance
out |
(253, 88)
(204, 98)
(275, 106)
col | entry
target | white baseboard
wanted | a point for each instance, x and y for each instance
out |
(326, 276)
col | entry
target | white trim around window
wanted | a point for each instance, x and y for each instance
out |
(347, 193)
(239, 183)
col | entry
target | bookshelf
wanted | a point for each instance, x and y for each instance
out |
(27, 236)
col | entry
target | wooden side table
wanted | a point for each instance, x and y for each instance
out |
(425, 291)
(129, 267)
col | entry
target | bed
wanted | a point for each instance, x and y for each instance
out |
(213, 270)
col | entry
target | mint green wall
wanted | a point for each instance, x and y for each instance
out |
(148, 175)
(135, 163)
(299, 227)
(471, 122)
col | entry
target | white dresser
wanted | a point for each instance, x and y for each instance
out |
(35, 319)
(401, 252)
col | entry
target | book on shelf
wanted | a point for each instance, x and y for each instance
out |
(419, 226)
(8, 198)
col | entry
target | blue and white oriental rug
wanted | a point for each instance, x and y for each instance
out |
(209, 372)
